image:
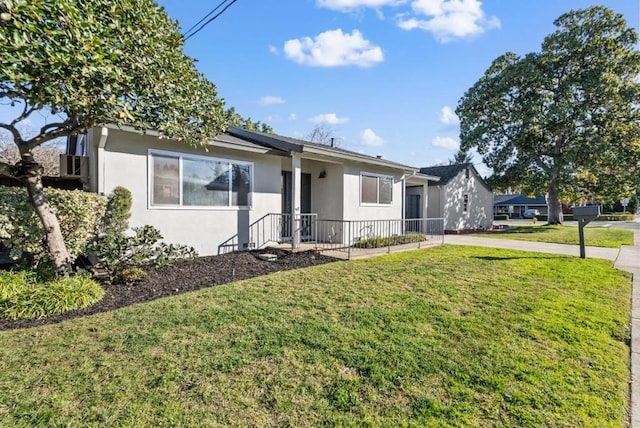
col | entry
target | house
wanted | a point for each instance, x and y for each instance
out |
(461, 197)
(233, 195)
(516, 205)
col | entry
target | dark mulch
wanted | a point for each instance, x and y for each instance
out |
(184, 276)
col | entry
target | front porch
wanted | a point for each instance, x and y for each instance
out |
(340, 238)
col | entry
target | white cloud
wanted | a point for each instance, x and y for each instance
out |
(293, 116)
(348, 5)
(448, 116)
(334, 48)
(269, 100)
(445, 142)
(273, 49)
(369, 138)
(328, 119)
(449, 19)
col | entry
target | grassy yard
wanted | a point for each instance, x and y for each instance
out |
(594, 236)
(451, 336)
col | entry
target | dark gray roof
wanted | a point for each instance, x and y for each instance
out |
(295, 145)
(520, 200)
(445, 172)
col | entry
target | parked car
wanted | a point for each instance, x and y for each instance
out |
(531, 213)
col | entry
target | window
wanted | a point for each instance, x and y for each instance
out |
(376, 189)
(198, 181)
(466, 172)
(465, 203)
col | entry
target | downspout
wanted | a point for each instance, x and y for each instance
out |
(102, 142)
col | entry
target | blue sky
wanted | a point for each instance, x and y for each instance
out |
(384, 75)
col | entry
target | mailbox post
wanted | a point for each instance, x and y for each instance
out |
(584, 215)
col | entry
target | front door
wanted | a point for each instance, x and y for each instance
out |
(305, 204)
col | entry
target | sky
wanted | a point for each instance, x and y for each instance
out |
(384, 76)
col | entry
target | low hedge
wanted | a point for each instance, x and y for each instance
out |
(79, 214)
(379, 242)
(501, 217)
(617, 217)
(23, 297)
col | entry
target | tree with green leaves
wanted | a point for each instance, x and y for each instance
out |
(564, 121)
(461, 157)
(96, 62)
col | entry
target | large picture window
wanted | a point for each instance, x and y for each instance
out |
(198, 181)
(376, 189)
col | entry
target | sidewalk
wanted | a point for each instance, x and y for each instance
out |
(541, 247)
(627, 258)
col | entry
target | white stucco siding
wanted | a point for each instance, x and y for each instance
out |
(126, 164)
(326, 192)
(479, 212)
(355, 210)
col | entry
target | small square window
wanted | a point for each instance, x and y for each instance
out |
(376, 189)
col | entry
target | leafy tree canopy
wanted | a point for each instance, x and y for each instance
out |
(565, 120)
(103, 61)
(97, 62)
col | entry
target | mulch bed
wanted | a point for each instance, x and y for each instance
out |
(184, 276)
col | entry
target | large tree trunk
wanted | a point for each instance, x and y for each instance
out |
(553, 201)
(31, 175)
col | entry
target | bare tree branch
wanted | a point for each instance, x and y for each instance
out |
(17, 138)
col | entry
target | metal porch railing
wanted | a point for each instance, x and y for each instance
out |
(347, 236)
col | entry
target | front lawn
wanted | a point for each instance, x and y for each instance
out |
(594, 236)
(450, 336)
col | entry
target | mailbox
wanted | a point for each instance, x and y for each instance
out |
(584, 215)
(588, 213)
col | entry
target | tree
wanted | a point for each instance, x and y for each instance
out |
(47, 155)
(322, 134)
(96, 62)
(564, 121)
(234, 119)
(460, 157)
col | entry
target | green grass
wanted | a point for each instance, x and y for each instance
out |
(450, 336)
(594, 236)
(23, 296)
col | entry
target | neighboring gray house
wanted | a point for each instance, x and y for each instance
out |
(516, 205)
(461, 197)
(212, 199)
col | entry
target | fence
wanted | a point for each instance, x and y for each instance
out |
(348, 236)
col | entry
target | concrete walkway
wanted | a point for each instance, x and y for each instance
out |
(627, 258)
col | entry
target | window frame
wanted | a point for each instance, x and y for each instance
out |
(194, 157)
(378, 178)
(465, 203)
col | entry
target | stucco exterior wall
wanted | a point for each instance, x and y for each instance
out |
(480, 204)
(126, 164)
(355, 210)
(447, 200)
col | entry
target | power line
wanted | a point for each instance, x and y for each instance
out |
(205, 17)
(187, 37)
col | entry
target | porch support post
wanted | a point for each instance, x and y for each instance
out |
(296, 185)
(424, 207)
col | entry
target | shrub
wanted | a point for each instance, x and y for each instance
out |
(616, 217)
(119, 255)
(501, 217)
(78, 212)
(23, 297)
(378, 242)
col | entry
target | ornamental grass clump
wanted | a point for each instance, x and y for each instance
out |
(22, 296)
